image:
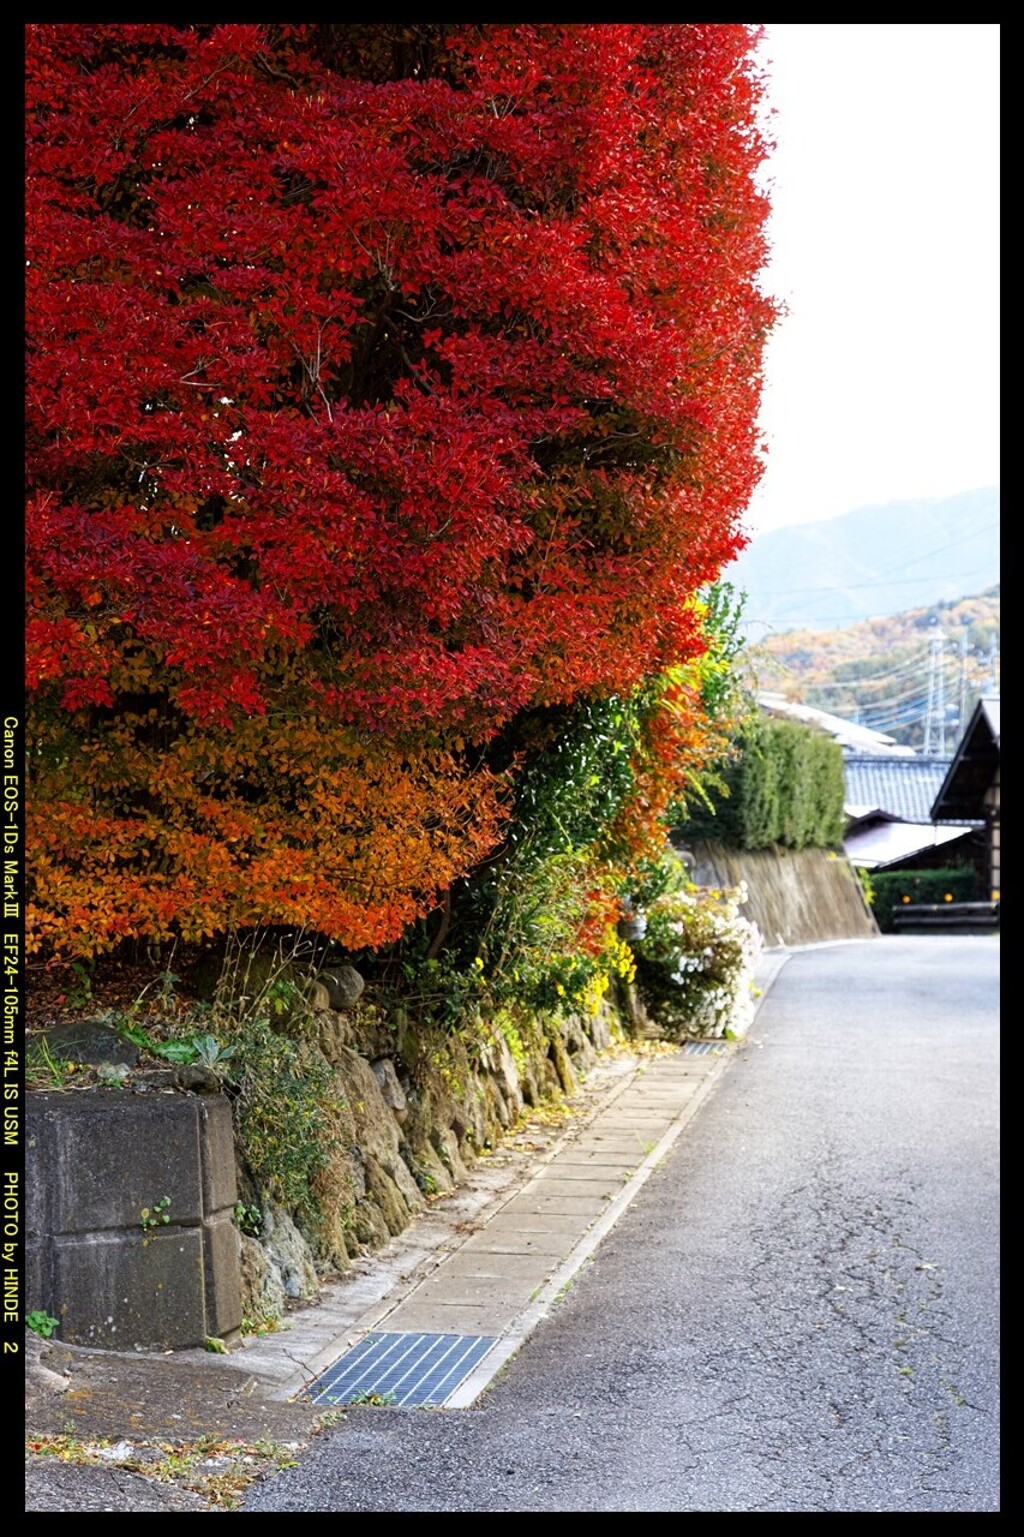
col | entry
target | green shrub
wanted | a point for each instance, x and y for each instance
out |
(783, 784)
(286, 1111)
(866, 883)
(897, 888)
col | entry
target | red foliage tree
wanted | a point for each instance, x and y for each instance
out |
(384, 381)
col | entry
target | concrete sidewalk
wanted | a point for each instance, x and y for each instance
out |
(487, 1265)
(427, 1321)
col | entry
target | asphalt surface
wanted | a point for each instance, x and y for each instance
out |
(798, 1313)
(190, 1430)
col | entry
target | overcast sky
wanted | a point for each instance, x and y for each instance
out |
(882, 383)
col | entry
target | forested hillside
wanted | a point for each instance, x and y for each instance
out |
(909, 674)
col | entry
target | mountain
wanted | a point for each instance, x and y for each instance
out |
(868, 563)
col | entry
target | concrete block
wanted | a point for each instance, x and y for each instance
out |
(130, 1291)
(217, 1142)
(94, 1161)
(39, 1158)
(222, 1276)
(37, 1274)
(109, 1154)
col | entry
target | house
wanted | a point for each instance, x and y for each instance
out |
(852, 738)
(890, 792)
(889, 817)
(904, 787)
(970, 786)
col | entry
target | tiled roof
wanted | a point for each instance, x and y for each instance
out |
(905, 787)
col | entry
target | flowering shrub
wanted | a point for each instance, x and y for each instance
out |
(695, 962)
(578, 983)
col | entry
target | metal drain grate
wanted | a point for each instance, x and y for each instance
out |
(704, 1048)
(408, 1370)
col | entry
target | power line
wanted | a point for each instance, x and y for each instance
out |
(898, 674)
(928, 689)
(857, 586)
(895, 698)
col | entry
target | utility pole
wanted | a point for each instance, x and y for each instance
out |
(933, 724)
(961, 703)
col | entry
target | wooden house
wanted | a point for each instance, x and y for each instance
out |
(970, 789)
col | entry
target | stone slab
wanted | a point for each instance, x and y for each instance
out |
(530, 1207)
(510, 1292)
(554, 1183)
(476, 1263)
(525, 1221)
(456, 1318)
(628, 1145)
(586, 1163)
(511, 1239)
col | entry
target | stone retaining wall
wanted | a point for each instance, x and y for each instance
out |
(417, 1110)
(796, 897)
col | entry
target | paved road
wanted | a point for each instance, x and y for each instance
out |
(798, 1313)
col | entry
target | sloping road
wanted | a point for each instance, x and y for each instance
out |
(800, 1310)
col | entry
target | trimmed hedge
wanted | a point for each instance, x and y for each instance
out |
(894, 888)
(783, 785)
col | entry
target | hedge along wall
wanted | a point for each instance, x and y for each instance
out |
(893, 888)
(783, 787)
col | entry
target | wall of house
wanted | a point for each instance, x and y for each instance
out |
(992, 813)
